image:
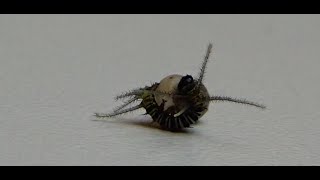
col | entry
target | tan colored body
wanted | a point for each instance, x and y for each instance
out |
(168, 85)
(175, 105)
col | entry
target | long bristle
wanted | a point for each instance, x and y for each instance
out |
(133, 92)
(204, 65)
(236, 100)
(116, 113)
(126, 104)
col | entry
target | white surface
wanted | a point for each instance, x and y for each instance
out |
(57, 70)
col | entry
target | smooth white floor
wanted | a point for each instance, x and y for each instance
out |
(57, 70)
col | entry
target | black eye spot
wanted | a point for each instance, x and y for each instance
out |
(186, 84)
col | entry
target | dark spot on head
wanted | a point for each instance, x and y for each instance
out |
(186, 84)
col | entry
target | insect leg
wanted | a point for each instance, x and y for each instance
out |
(204, 65)
(241, 101)
(159, 93)
(134, 92)
(116, 113)
(125, 104)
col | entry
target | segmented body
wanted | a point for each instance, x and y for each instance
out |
(185, 112)
(175, 102)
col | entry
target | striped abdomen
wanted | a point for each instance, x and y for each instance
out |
(168, 120)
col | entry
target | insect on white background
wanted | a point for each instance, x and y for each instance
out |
(175, 102)
(57, 70)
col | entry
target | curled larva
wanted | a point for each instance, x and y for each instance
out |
(175, 102)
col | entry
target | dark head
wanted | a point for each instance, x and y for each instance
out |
(186, 84)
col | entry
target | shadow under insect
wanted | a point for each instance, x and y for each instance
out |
(146, 123)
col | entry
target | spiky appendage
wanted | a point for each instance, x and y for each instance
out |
(116, 113)
(136, 94)
(141, 93)
(128, 102)
(133, 92)
(236, 100)
(220, 98)
(204, 65)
